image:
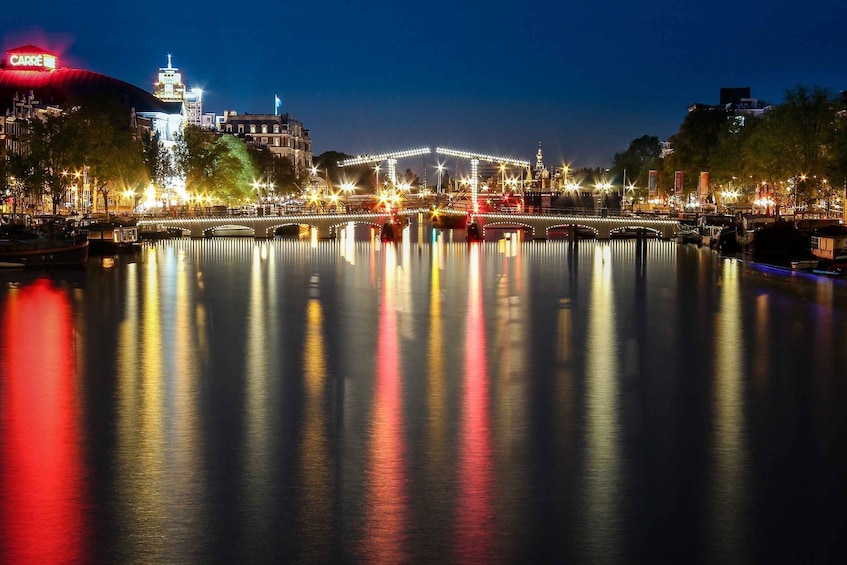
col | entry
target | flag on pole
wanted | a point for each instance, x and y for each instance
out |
(277, 103)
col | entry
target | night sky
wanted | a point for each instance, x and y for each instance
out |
(583, 78)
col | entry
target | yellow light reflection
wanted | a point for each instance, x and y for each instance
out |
(315, 471)
(257, 410)
(603, 457)
(436, 428)
(727, 504)
(140, 456)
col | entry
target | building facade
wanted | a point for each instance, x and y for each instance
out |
(282, 135)
(170, 88)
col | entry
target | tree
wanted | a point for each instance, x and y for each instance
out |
(108, 147)
(218, 166)
(51, 143)
(233, 171)
(695, 143)
(643, 154)
(157, 160)
(359, 175)
(276, 169)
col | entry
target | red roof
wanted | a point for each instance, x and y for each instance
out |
(55, 87)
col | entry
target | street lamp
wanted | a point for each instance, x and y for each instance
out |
(630, 188)
(440, 172)
(348, 188)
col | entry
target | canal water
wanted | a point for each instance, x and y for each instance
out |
(234, 400)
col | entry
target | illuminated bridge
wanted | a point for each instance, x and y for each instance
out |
(326, 225)
(603, 227)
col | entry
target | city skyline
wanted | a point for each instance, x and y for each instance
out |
(488, 77)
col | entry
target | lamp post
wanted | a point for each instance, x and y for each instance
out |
(440, 172)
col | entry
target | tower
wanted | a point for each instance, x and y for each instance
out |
(539, 162)
(169, 87)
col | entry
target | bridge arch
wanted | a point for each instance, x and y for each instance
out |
(569, 226)
(506, 224)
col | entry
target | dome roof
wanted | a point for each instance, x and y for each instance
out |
(57, 86)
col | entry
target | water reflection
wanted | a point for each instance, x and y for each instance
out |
(603, 465)
(264, 401)
(475, 526)
(42, 492)
(728, 506)
(386, 475)
(315, 505)
(260, 395)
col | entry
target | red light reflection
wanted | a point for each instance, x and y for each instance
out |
(476, 516)
(41, 476)
(387, 508)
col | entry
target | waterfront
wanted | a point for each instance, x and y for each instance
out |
(238, 400)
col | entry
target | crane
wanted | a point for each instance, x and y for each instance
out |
(475, 158)
(390, 158)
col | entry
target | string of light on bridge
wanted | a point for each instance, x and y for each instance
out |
(470, 155)
(372, 159)
(475, 158)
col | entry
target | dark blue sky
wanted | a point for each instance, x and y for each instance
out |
(584, 78)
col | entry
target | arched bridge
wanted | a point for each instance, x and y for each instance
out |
(602, 226)
(326, 225)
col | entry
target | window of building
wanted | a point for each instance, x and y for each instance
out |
(240, 128)
(252, 128)
(276, 128)
(264, 128)
(276, 142)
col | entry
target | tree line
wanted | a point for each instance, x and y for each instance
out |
(795, 150)
(98, 141)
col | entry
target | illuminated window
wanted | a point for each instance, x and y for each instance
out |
(276, 129)
(252, 128)
(276, 142)
(264, 128)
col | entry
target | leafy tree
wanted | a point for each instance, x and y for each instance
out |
(108, 147)
(24, 178)
(157, 160)
(234, 170)
(360, 175)
(218, 166)
(52, 143)
(642, 155)
(728, 163)
(278, 169)
(695, 143)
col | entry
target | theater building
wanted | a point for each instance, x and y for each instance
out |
(32, 80)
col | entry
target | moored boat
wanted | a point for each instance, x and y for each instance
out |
(110, 236)
(804, 264)
(836, 268)
(25, 248)
(772, 239)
